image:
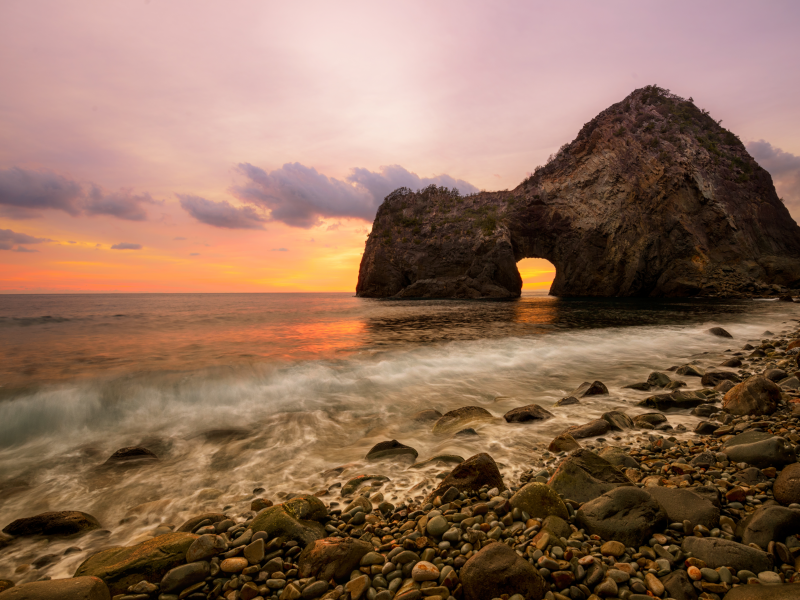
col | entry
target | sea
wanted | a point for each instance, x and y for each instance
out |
(286, 394)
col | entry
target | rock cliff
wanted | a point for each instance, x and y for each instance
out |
(652, 198)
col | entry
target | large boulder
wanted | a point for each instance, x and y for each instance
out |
(787, 485)
(716, 552)
(77, 588)
(471, 476)
(767, 524)
(590, 429)
(677, 400)
(531, 412)
(539, 501)
(496, 570)
(759, 449)
(685, 505)
(150, 560)
(626, 514)
(461, 418)
(391, 449)
(298, 520)
(332, 558)
(67, 522)
(782, 591)
(756, 395)
(584, 476)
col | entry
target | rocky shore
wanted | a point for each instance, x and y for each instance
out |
(657, 513)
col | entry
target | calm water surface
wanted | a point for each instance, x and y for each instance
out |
(289, 391)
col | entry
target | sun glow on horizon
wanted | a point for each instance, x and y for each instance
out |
(536, 273)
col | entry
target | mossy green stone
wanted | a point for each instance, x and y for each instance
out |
(293, 520)
(127, 565)
(539, 501)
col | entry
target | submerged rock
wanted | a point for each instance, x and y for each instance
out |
(563, 442)
(531, 412)
(461, 418)
(596, 388)
(568, 401)
(471, 476)
(719, 332)
(67, 522)
(132, 453)
(590, 429)
(391, 449)
(424, 416)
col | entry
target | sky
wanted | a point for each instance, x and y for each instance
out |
(244, 146)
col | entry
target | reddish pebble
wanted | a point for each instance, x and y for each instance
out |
(694, 573)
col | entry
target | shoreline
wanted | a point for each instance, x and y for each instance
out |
(479, 511)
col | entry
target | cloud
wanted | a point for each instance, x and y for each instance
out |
(24, 193)
(194, 254)
(24, 249)
(222, 214)
(126, 246)
(9, 239)
(280, 249)
(300, 196)
(123, 204)
(783, 166)
(179, 239)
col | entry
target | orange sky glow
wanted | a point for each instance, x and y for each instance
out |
(186, 146)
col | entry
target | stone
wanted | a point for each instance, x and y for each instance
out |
(703, 460)
(771, 451)
(712, 378)
(424, 416)
(568, 401)
(689, 370)
(612, 548)
(298, 520)
(685, 505)
(179, 578)
(596, 388)
(656, 379)
(192, 524)
(619, 458)
(121, 567)
(77, 588)
(724, 387)
(471, 476)
(617, 420)
(461, 418)
(352, 485)
(496, 570)
(584, 476)
(719, 332)
(425, 571)
(564, 442)
(332, 558)
(678, 585)
(733, 363)
(767, 524)
(259, 504)
(676, 399)
(356, 587)
(132, 453)
(437, 526)
(649, 420)
(756, 395)
(391, 449)
(626, 514)
(531, 412)
(717, 552)
(785, 591)
(590, 429)
(775, 375)
(62, 523)
(787, 485)
(578, 214)
(236, 564)
(314, 590)
(539, 501)
(254, 551)
(205, 547)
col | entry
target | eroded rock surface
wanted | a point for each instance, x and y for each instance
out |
(652, 198)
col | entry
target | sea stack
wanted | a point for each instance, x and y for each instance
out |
(652, 198)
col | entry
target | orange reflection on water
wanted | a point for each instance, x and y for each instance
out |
(327, 337)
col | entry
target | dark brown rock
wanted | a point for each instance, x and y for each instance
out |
(775, 375)
(590, 429)
(733, 363)
(648, 207)
(297, 519)
(767, 524)
(757, 395)
(461, 418)
(569, 400)
(677, 399)
(391, 449)
(719, 332)
(77, 588)
(596, 388)
(785, 591)
(716, 552)
(563, 442)
(332, 558)
(649, 420)
(787, 486)
(496, 570)
(759, 449)
(685, 505)
(584, 476)
(68, 522)
(712, 378)
(472, 475)
(192, 524)
(679, 586)
(531, 412)
(617, 420)
(626, 514)
(131, 453)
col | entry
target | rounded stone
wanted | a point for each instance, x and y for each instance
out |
(612, 548)
(539, 501)
(787, 485)
(424, 571)
(236, 564)
(437, 526)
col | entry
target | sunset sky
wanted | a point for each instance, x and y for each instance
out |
(198, 146)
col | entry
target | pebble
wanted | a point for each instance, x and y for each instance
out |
(437, 526)
(612, 548)
(769, 577)
(425, 571)
(233, 565)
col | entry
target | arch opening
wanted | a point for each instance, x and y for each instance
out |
(537, 275)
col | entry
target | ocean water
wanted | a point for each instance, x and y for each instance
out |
(288, 392)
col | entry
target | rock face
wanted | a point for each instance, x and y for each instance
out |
(652, 198)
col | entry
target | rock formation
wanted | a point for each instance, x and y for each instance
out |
(653, 198)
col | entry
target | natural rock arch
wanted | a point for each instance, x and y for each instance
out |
(653, 198)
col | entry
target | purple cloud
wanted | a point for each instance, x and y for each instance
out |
(784, 168)
(123, 204)
(221, 214)
(9, 239)
(126, 246)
